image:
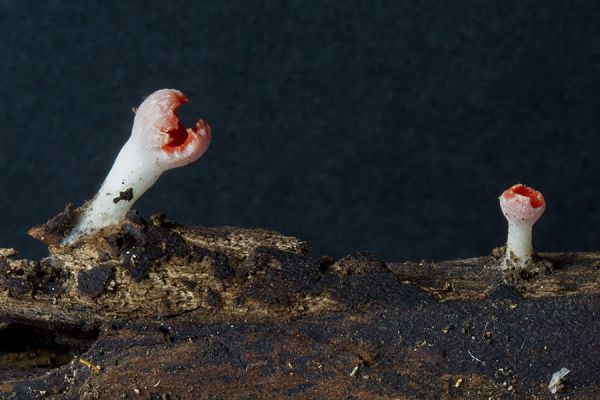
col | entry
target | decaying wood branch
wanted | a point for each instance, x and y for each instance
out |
(157, 310)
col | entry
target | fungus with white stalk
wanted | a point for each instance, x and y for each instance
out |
(522, 206)
(158, 142)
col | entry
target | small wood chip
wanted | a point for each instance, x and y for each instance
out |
(95, 368)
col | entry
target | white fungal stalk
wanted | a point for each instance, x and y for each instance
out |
(158, 142)
(522, 206)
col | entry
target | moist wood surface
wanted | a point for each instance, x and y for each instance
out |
(157, 310)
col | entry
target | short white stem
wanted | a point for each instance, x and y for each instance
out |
(519, 242)
(134, 172)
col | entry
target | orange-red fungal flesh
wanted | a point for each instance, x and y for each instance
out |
(536, 199)
(180, 136)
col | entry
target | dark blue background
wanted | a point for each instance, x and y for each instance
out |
(385, 126)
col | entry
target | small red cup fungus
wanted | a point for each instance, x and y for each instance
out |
(158, 142)
(522, 206)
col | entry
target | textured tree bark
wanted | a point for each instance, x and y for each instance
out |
(157, 310)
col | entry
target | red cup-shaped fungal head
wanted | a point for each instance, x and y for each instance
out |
(161, 133)
(522, 204)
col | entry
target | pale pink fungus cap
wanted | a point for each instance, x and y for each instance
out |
(522, 204)
(161, 132)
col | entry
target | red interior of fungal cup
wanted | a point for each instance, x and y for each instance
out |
(179, 135)
(536, 199)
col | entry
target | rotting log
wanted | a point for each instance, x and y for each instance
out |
(157, 310)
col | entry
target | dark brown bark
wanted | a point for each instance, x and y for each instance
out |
(157, 310)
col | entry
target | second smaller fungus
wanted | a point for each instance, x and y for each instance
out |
(522, 206)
